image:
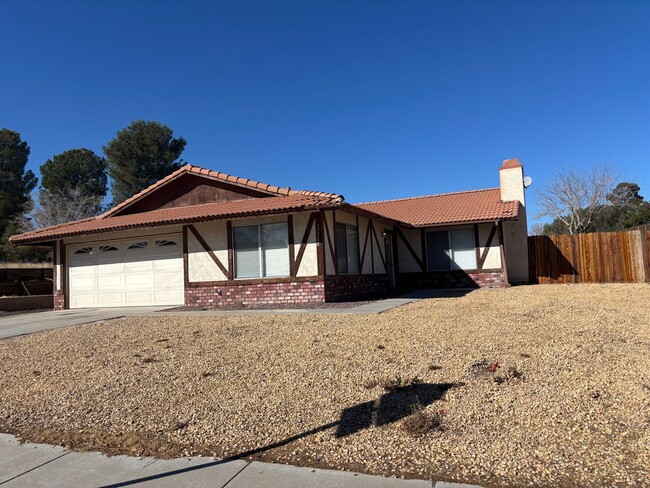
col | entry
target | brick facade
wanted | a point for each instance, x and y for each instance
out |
(453, 279)
(59, 300)
(243, 294)
(355, 287)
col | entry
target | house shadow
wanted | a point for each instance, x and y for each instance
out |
(387, 409)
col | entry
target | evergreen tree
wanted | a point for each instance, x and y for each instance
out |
(15, 183)
(140, 155)
(76, 169)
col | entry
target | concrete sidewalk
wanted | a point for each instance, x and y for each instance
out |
(28, 323)
(40, 465)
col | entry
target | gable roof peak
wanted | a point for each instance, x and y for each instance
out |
(218, 175)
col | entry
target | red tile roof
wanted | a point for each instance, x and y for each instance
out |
(217, 175)
(170, 216)
(448, 208)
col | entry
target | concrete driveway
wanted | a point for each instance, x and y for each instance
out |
(28, 323)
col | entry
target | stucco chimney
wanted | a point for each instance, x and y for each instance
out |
(515, 234)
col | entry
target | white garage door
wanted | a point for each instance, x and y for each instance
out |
(139, 271)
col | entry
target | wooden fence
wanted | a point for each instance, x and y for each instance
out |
(599, 257)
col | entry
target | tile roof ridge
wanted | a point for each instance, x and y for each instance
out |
(49, 228)
(428, 196)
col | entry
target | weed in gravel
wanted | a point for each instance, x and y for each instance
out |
(207, 374)
(381, 347)
(421, 422)
(484, 367)
(524, 355)
(370, 384)
(180, 425)
(434, 367)
(399, 383)
(148, 360)
(36, 373)
(511, 374)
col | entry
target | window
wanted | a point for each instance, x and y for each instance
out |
(347, 248)
(139, 245)
(453, 249)
(261, 250)
(107, 248)
(84, 250)
(165, 243)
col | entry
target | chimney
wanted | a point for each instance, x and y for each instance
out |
(515, 233)
(511, 176)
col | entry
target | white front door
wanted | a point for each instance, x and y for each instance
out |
(126, 272)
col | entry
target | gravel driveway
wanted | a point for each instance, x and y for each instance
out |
(544, 385)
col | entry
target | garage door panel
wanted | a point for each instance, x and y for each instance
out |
(144, 297)
(168, 297)
(110, 299)
(141, 275)
(138, 279)
(116, 281)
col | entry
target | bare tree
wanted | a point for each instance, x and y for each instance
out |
(60, 207)
(575, 197)
(536, 230)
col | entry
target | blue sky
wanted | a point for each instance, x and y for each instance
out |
(371, 99)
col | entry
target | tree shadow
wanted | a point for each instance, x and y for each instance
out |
(388, 408)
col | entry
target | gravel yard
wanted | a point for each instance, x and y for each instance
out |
(544, 385)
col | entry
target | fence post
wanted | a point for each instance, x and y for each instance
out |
(645, 252)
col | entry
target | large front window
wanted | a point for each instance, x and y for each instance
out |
(347, 248)
(451, 249)
(261, 250)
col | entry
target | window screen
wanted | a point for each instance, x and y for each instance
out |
(347, 248)
(454, 249)
(463, 250)
(261, 250)
(438, 255)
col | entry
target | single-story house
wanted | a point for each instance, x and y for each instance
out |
(203, 238)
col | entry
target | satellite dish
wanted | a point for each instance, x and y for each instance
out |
(527, 181)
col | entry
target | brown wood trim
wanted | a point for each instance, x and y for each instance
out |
(207, 248)
(292, 252)
(477, 248)
(423, 241)
(336, 244)
(329, 242)
(504, 268)
(320, 248)
(381, 254)
(488, 244)
(419, 262)
(358, 243)
(186, 267)
(64, 275)
(372, 246)
(303, 243)
(365, 245)
(257, 281)
(645, 253)
(55, 257)
(231, 251)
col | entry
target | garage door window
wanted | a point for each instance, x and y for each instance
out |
(261, 251)
(138, 245)
(84, 250)
(107, 248)
(165, 243)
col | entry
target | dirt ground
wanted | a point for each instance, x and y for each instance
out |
(544, 385)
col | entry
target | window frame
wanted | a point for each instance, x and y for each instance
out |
(262, 267)
(348, 246)
(450, 250)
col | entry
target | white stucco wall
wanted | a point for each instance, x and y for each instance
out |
(309, 264)
(493, 258)
(407, 263)
(200, 266)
